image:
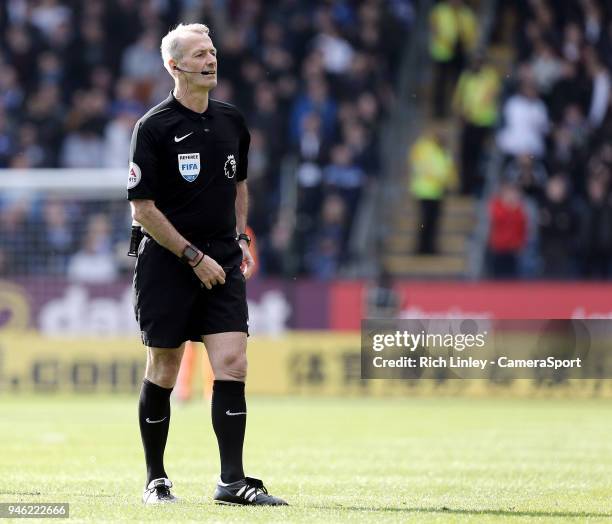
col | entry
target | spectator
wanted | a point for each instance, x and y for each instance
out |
(315, 100)
(382, 300)
(259, 183)
(546, 66)
(572, 43)
(6, 141)
(323, 259)
(141, 63)
(528, 174)
(49, 14)
(337, 53)
(363, 147)
(94, 263)
(117, 137)
(593, 21)
(344, 177)
(433, 173)
(28, 145)
(21, 54)
(596, 231)
(357, 80)
(368, 110)
(45, 111)
(55, 240)
(309, 175)
(89, 50)
(11, 92)
(507, 231)
(126, 100)
(50, 69)
(600, 90)
(569, 89)
(276, 251)
(558, 224)
(83, 148)
(15, 235)
(526, 123)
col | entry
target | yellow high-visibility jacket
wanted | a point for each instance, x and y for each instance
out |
(432, 169)
(449, 26)
(477, 96)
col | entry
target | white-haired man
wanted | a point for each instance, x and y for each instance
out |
(187, 189)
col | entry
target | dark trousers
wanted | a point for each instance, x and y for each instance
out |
(597, 264)
(446, 75)
(473, 139)
(428, 224)
(503, 265)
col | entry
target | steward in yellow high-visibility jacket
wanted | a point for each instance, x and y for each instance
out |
(476, 97)
(452, 23)
(432, 173)
(432, 169)
(476, 103)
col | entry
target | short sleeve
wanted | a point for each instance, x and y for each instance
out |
(142, 177)
(243, 153)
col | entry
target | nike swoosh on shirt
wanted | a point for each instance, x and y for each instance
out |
(228, 412)
(156, 421)
(177, 139)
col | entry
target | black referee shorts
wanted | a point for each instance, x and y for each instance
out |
(171, 304)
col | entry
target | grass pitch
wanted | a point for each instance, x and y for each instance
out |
(352, 460)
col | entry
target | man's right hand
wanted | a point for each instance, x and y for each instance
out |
(209, 272)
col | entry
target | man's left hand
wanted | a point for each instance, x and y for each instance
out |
(248, 264)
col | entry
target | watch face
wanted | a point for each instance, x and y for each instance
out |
(190, 253)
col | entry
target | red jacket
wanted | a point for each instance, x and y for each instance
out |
(508, 232)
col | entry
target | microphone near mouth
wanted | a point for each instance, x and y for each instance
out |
(205, 73)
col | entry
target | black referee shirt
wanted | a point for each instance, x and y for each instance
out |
(189, 163)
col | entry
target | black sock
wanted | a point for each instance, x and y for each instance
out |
(154, 416)
(229, 423)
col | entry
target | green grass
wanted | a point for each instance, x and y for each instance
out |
(354, 460)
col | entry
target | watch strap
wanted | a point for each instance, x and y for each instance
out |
(244, 236)
(190, 254)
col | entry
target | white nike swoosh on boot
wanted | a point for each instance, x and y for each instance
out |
(228, 412)
(156, 421)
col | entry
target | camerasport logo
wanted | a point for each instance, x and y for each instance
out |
(134, 175)
(230, 166)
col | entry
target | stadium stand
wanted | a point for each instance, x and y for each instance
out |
(315, 80)
(555, 136)
(532, 109)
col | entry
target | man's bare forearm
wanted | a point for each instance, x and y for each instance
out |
(242, 206)
(158, 226)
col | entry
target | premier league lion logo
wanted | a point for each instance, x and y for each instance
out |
(230, 166)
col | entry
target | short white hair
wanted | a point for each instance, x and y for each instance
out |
(171, 43)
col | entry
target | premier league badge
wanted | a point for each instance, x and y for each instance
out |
(230, 167)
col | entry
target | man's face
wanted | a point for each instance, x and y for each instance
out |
(199, 54)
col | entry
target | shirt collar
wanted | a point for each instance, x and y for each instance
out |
(209, 113)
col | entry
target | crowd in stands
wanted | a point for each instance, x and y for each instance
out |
(545, 123)
(314, 79)
(552, 215)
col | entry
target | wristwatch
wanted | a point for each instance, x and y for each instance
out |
(244, 236)
(190, 254)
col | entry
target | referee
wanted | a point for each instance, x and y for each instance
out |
(187, 189)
